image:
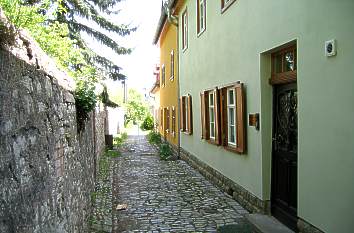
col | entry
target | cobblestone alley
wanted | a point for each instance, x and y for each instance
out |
(160, 196)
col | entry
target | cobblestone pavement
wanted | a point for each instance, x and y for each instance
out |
(162, 196)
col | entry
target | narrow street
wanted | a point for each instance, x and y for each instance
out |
(161, 196)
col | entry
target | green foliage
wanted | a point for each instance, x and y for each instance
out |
(85, 101)
(136, 108)
(154, 138)
(148, 123)
(119, 140)
(112, 153)
(23, 16)
(165, 151)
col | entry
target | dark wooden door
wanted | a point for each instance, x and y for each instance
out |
(284, 157)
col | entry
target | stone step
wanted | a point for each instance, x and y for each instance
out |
(267, 224)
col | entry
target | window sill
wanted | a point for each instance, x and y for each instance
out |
(212, 141)
(226, 6)
(233, 149)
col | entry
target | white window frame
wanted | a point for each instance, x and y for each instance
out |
(229, 107)
(172, 69)
(185, 30)
(201, 24)
(211, 109)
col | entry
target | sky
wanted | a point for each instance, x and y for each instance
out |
(139, 65)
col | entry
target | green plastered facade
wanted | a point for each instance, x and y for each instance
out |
(236, 46)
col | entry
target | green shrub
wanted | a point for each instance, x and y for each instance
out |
(118, 141)
(148, 123)
(154, 138)
(165, 151)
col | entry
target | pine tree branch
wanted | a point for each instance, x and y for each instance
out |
(101, 37)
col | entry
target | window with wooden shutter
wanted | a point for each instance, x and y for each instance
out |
(183, 114)
(186, 114)
(210, 106)
(232, 118)
(189, 115)
(167, 120)
(161, 119)
(222, 117)
(173, 127)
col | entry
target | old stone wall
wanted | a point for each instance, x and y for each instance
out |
(46, 167)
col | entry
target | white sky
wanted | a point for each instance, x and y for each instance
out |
(139, 65)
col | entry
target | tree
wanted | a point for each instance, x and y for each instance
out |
(95, 11)
(136, 108)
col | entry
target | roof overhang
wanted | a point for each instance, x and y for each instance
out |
(163, 20)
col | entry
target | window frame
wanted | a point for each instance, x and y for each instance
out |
(163, 76)
(186, 118)
(226, 4)
(172, 64)
(201, 18)
(185, 30)
(211, 111)
(283, 77)
(228, 107)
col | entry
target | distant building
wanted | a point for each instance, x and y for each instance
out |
(166, 39)
(155, 94)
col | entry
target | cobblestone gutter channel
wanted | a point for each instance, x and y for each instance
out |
(161, 196)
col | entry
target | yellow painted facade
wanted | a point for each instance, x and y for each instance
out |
(169, 86)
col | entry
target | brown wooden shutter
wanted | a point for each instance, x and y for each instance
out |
(182, 119)
(217, 116)
(190, 115)
(240, 120)
(223, 116)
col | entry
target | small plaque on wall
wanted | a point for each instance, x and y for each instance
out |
(253, 120)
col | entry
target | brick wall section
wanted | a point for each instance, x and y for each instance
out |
(46, 167)
(245, 198)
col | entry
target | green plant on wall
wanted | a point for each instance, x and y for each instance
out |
(85, 101)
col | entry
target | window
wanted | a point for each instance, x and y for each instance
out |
(225, 4)
(231, 107)
(172, 69)
(211, 115)
(222, 117)
(184, 30)
(161, 119)
(201, 16)
(163, 76)
(186, 114)
(167, 120)
(173, 129)
(284, 66)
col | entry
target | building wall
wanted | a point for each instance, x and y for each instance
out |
(169, 92)
(47, 168)
(236, 46)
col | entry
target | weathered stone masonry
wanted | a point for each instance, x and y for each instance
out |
(46, 167)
